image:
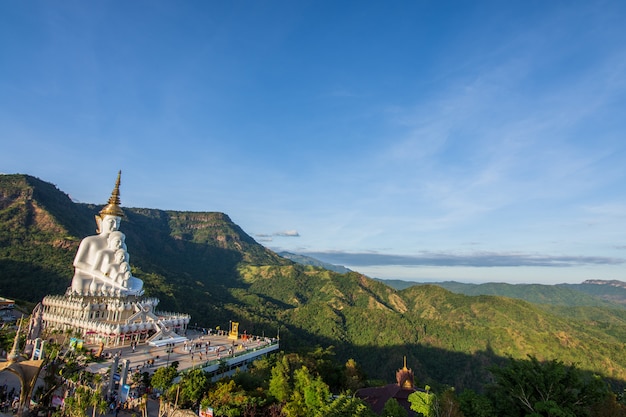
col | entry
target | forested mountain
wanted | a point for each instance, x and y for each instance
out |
(613, 291)
(204, 264)
(609, 294)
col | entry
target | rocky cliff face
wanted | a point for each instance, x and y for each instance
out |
(612, 283)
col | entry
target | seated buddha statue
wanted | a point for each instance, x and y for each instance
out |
(98, 262)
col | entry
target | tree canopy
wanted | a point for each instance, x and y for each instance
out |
(530, 388)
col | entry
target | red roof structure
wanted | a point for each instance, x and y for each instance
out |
(376, 397)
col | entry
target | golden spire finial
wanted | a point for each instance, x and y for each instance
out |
(113, 208)
(404, 377)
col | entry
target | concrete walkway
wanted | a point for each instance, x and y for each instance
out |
(198, 351)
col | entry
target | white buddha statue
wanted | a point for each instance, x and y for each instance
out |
(101, 263)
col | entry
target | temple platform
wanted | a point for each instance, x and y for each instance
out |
(200, 351)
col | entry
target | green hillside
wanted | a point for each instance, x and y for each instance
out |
(204, 264)
(612, 291)
(591, 295)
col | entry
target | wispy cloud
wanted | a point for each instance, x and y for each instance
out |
(288, 233)
(475, 259)
(497, 138)
(285, 233)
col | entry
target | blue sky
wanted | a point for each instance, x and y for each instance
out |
(419, 140)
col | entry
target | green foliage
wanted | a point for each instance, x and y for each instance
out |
(354, 376)
(448, 404)
(296, 381)
(309, 394)
(475, 405)
(7, 336)
(393, 408)
(227, 399)
(530, 387)
(193, 385)
(97, 402)
(343, 406)
(423, 402)
(429, 404)
(280, 381)
(76, 404)
(162, 378)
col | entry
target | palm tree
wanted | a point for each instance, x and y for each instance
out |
(143, 405)
(76, 404)
(96, 400)
(98, 404)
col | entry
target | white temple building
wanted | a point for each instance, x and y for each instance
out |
(105, 304)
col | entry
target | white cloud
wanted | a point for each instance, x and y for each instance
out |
(474, 259)
(286, 233)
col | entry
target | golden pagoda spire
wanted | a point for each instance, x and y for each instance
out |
(113, 208)
(405, 377)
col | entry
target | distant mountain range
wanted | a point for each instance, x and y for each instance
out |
(203, 264)
(595, 293)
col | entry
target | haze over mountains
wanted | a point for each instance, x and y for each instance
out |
(204, 264)
(607, 293)
(307, 260)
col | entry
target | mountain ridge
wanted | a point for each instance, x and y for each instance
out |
(599, 293)
(203, 264)
(307, 260)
